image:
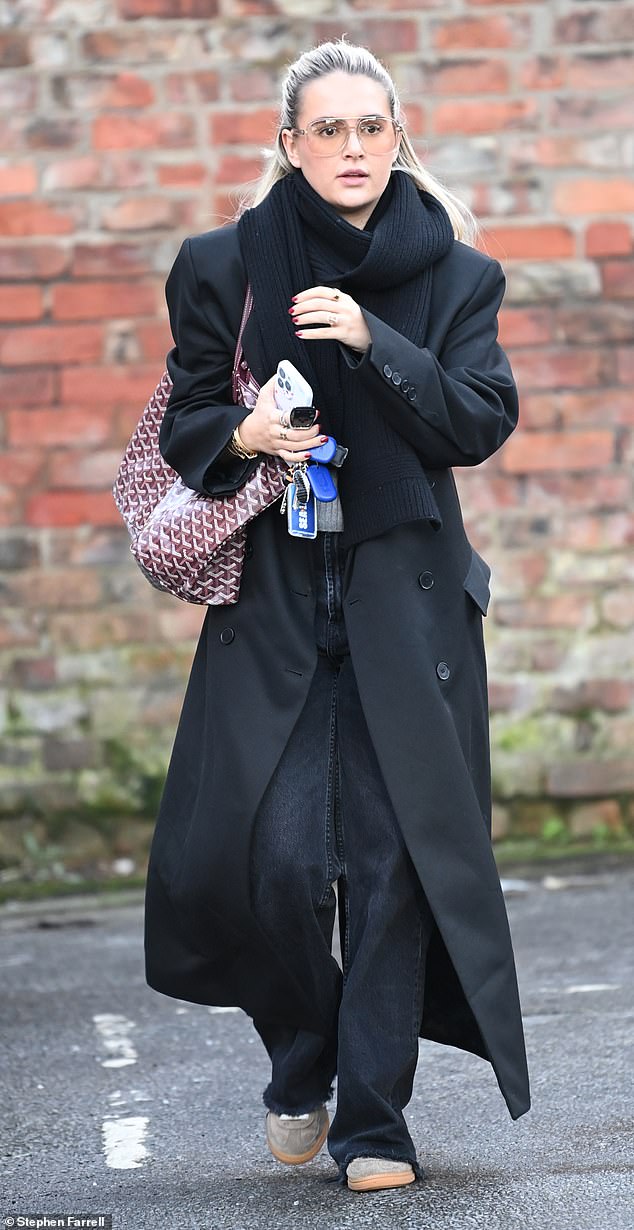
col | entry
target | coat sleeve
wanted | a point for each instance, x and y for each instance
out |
(456, 408)
(200, 416)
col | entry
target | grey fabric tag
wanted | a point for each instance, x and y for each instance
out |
(330, 512)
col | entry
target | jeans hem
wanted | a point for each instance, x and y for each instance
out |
(302, 1108)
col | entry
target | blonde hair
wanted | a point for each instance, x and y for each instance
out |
(340, 56)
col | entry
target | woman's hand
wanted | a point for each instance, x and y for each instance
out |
(340, 318)
(260, 430)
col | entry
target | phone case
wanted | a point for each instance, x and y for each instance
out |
(290, 387)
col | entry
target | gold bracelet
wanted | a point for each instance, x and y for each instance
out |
(237, 447)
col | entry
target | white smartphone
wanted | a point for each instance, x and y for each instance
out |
(290, 387)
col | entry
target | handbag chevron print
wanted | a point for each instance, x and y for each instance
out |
(185, 542)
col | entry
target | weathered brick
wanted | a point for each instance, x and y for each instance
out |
(243, 127)
(590, 111)
(99, 91)
(181, 174)
(608, 239)
(55, 344)
(490, 116)
(567, 451)
(95, 300)
(554, 369)
(625, 365)
(496, 30)
(129, 385)
(14, 49)
(594, 407)
(72, 508)
(35, 218)
(618, 279)
(20, 302)
(578, 778)
(22, 470)
(611, 695)
(94, 470)
(604, 813)
(18, 179)
(232, 169)
(543, 72)
(30, 261)
(597, 322)
(466, 76)
(136, 45)
(143, 131)
(201, 86)
(62, 425)
(65, 754)
(548, 611)
(27, 388)
(525, 326)
(154, 340)
(96, 260)
(598, 71)
(604, 24)
(554, 491)
(73, 173)
(50, 133)
(133, 9)
(594, 196)
(617, 608)
(140, 214)
(526, 241)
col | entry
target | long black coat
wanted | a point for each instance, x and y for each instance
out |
(413, 601)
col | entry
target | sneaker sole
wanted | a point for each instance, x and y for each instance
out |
(374, 1182)
(297, 1159)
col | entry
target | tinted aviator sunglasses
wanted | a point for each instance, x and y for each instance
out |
(376, 134)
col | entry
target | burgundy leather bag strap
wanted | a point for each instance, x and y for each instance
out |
(244, 386)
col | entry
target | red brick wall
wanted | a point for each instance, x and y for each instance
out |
(125, 125)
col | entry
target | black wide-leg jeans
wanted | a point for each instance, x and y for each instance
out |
(326, 818)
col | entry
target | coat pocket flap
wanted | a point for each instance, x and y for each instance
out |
(476, 581)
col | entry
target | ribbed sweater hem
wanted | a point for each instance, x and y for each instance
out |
(378, 508)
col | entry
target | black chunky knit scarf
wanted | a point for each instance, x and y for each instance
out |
(294, 240)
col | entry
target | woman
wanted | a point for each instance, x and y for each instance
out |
(335, 726)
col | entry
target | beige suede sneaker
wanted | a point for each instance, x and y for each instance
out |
(295, 1139)
(370, 1174)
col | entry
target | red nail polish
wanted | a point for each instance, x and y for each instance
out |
(293, 298)
(298, 333)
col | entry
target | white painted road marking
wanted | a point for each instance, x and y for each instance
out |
(123, 1142)
(113, 1033)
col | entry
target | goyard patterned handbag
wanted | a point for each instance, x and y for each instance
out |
(187, 543)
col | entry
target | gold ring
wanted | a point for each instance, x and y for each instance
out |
(337, 295)
(283, 434)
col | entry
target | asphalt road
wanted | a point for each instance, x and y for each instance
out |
(119, 1100)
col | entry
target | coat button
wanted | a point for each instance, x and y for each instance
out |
(387, 370)
(396, 378)
(426, 580)
(411, 393)
(442, 670)
(405, 386)
(227, 635)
